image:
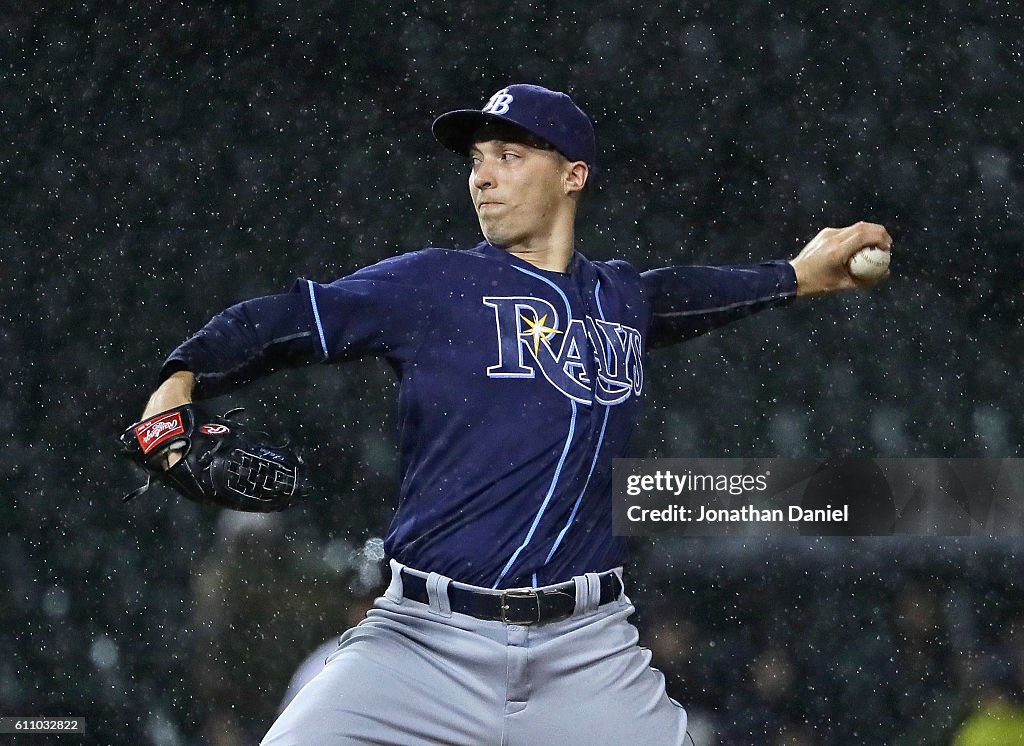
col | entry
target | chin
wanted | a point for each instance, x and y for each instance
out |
(500, 235)
(493, 236)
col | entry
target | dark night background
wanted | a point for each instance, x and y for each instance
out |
(161, 161)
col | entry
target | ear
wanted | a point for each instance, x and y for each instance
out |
(575, 177)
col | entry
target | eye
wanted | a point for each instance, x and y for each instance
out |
(509, 155)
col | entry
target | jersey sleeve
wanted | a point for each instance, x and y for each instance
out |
(375, 311)
(689, 301)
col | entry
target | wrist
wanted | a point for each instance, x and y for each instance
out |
(802, 283)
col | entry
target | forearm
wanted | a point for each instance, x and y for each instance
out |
(689, 301)
(245, 342)
(175, 391)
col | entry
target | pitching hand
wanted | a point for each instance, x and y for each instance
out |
(821, 267)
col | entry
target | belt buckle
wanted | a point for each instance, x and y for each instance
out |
(519, 593)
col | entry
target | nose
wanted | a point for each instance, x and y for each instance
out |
(482, 176)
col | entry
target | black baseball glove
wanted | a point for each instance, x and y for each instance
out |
(222, 462)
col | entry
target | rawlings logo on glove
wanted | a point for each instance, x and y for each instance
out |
(222, 462)
(160, 429)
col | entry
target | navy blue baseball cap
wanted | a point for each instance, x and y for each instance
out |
(549, 115)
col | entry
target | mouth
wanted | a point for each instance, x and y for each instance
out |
(488, 203)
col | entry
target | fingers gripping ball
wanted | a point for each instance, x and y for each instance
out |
(222, 462)
(869, 264)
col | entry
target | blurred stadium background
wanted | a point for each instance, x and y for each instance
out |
(160, 161)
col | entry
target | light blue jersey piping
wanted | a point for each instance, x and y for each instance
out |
(597, 451)
(316, 317)
(565, 448)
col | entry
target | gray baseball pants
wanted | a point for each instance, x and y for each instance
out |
(414, 674)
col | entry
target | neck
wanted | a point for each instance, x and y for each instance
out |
(550, 252)
(550, 261)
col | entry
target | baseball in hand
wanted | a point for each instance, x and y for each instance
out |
(869, 264)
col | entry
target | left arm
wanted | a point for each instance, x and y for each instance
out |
(689, 301)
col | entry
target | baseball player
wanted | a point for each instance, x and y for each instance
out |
(520, 369)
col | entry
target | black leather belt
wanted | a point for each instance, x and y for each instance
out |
(520, 606)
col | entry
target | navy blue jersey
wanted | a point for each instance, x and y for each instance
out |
(517, 388)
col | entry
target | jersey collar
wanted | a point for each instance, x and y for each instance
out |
(576, 262)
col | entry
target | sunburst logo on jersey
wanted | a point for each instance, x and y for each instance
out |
(539, 331)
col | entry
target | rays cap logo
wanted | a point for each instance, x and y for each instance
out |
(550, 115)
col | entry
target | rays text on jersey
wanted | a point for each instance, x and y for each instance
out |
(530, 340)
